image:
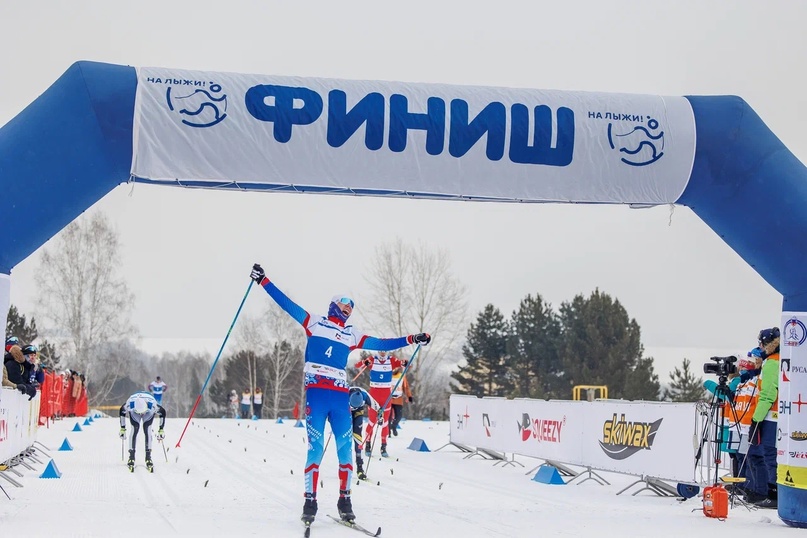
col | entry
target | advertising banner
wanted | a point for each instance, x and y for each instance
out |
(19, 420)
(418, 140)
(792, 421)
(655, 439)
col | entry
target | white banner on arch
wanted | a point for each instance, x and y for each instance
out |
(217, 130)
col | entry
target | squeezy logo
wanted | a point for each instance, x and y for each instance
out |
(198, 103)
(541, 429)
(622, 439)
(795, 332)
(287, 107)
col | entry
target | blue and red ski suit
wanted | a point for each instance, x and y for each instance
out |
(327, 387)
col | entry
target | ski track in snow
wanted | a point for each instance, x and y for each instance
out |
(245, 478)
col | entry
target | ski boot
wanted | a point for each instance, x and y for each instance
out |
(309, 509)
(384, 450)
(149, 463)
(344, 507)
(131, 463)
(367, 449)
(360, 474)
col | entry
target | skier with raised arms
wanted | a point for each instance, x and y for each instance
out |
(329, 343)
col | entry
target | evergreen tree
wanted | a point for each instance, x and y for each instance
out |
(17, 325)
(485, 352)
(532, 350)
(684, 386)
(602, 346)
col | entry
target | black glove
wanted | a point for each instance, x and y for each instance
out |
(367, 363)
(754, 434)
(31, 391)
(22, 388)
(411, 399)
(257, 273)
(422, 338)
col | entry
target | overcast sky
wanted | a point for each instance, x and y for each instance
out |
(187, 253)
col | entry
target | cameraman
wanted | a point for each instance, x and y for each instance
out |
(763, 427)
(738, 407)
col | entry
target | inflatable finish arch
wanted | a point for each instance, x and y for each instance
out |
(100, 125)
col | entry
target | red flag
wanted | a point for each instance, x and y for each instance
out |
(296, 411)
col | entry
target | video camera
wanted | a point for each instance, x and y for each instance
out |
(722, 366)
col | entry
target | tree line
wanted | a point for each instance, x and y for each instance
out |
(536, 352)
(541, 353)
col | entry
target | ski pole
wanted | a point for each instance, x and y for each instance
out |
(363, 368)
(389, 398)
(164, 452)
(213, 367)
(122, 441)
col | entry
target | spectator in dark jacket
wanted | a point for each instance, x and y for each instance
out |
(37, 376)
(19, 371)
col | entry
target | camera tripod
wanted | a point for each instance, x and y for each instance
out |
(721, 401)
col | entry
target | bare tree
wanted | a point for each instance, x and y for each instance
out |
(278, 340)
(413, 289)
(89, 305)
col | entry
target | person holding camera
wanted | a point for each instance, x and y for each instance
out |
(763, 428)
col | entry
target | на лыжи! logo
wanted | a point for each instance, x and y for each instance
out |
(622, 439)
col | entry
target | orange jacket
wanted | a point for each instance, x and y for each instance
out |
(403, 388)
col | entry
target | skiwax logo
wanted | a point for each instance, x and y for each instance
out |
(288, 107)
(198, 103)
(622, 439)
(543, 430)
(795, 332)
(799, 436)
(637, 145)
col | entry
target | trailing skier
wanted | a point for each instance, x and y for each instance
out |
(141, 408)
(359, 400)
(381, 366)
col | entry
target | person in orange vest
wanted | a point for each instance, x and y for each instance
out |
(744, 404)
(763, 428)
(402, 390)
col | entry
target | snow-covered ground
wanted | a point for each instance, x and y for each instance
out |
(244, 478)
